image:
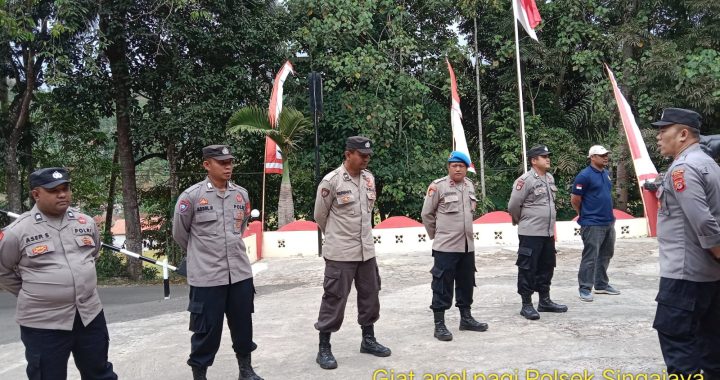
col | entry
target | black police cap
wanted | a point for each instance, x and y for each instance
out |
(49, 178)
(672, 116)
(538, 150)
(360, 143)
(218, 152)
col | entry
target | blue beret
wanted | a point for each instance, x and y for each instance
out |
(456, 156)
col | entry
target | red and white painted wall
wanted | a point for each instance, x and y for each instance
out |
(401, 234)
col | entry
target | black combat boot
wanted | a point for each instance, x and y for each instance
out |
(370, 345)
(441, 332)
(467, 322)
(546, 304)
(246, 369)
(199, 373)
(528, 310)
(325, 357)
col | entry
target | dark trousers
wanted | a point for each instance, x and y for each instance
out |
(688, 324)
(339, 276)
(208, 307)
(598, 249)
(452, 269)
(536, 264)
(47, 351)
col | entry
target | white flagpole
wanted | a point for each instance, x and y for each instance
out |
(520, 94)
(262, 218)
(479, 113)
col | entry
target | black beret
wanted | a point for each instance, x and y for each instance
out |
(218, 152)
(359, 143)
(538, 150)
(49, 178)
(672, 116)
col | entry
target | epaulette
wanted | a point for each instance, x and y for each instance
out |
(19, 219)
(192, 188)
(235, 185)
(526, 175)
(330, 175)
(365, 171)
(440, 179)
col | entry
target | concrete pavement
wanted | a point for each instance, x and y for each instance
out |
(611, 336)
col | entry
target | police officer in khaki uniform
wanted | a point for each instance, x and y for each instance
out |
(210, 218)
(47, 260)
(532, 208)
(343, 210)
(688, 300)
(447, 215)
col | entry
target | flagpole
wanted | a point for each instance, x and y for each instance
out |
(262, 218)
(520, 94)
(479, 112)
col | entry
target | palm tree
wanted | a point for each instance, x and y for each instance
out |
(291, 129)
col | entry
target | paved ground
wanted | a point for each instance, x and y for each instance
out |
(149, 338)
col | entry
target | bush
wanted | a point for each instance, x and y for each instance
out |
(149, 273)
(109, 265)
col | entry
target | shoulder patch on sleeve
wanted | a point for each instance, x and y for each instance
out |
(431, 190)
(519, 184)
(678, 178)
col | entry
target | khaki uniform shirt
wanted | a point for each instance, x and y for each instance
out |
(532, 204)
(51, 269)
(447, 215)
(688, 217)
(209, 226)
(343, 210)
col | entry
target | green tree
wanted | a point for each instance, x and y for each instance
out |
(292, 127)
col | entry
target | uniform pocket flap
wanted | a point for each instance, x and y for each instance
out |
(206, 216)
(333, 273)
(451, 198)
(85, 241)
(525, 251)
(39, 249)
(436, 272)
(195, 307)
(675, 300)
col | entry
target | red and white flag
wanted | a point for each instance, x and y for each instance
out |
(458, 132)
(527, 13)
(276, 99)
(644, 168)
(273, 157)
(273, 154)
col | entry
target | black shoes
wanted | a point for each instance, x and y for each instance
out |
(370, 345)
(246, 369)
(441, 331)
(547, 305)
(325, 357)
(467, 322)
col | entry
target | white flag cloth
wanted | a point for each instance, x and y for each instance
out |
(276, 100)
(644, 168)
(458, 131)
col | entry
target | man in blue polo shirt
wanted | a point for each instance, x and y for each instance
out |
(592, 199)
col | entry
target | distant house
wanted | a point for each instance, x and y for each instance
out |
(118, 232)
